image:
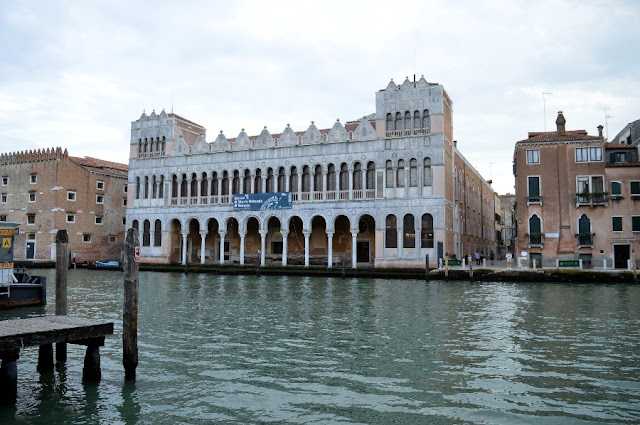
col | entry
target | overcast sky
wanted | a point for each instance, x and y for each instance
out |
(75, 74)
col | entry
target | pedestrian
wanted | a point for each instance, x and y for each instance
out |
(73, 258)
(509, 257)
(492, 256)
(477, 258)
(523, 259)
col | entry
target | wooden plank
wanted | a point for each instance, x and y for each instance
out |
(15, 334)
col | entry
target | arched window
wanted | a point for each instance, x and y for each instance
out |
(157, 233)
(203, 185)
(371, 175)
(584, 231)
(135, 225)
(281, 180)
(535, 230)
(408, 232)
(399, 121)
(194, 185)
(317, 179)
(391, 232)
(389, 174)
(174, 186)
(137, 187)
(400, 174)
(235, 183)
(416, 119)
(306, 179)
(225, 183)
(407, 120)
(161, 188)
(331, 177)
(293, 180)
(214, 184)
(145, 187)
(270, 179)
(427, 231)
(154, 187)
(413, 173)
(344, 176)
(146, 235)
(426, 178)
(357, 176)
(389, 122)
(426, 120)
(246, 182)
(257, 182)
(183, 186)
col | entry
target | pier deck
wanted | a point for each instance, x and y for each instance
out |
(44, 332)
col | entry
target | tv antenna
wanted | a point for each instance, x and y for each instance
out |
(606, 120)
(544, 105)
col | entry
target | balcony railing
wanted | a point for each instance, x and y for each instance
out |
(534, 200)
(358, 194)
(535, 239)
(370, 193)
(595, 198)
(408, 132)
(585, 239)
(343, 195)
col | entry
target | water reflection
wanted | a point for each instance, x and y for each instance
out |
(245, 349)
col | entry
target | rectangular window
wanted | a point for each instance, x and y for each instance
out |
(124, 221)
(86, 238)
(33, 179)
(31, 219)
(100, 185)
(124, 188)
(582, 154)
(5, 180)
(31, 236)
(533, 156)
(4, 198)
(71, 195)
(124, 202)
(635, 223)
(71, 218)
(99, 199)
(635, 189)
(112, 239)
(3, 218)
(616, 189)
(617, 224)
(533, 190)
(595, 154)
(32, 197)
(98, 219)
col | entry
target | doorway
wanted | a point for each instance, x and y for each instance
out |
(362, 251)
(621, 256)
(31, 250)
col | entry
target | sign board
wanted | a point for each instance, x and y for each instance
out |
(262, 201)
(136, 254)
(552, 235)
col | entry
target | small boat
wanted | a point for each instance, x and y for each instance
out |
(108, 264)
(17, 287)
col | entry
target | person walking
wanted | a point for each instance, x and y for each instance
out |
(477, 258)
(492, 256)
(509, 258)
(523, 259)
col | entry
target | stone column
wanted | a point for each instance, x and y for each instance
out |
(306, 234)
(242, 235)
(263, 240)
(203, 238)
(188, 191)
(418, 239)
(354, 243)
(400, 240)
(184, 247)
(263, 184)
(285, 243)
(222, 235)
(324, 184)
(287, 177)
(219, 189)
(330, 249)
(350, 174)
(199, 190)
(299, 188)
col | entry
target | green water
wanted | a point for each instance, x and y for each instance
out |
(250, 350)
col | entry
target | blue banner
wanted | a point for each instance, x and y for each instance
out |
(262, 201)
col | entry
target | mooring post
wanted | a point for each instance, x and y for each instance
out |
(62, 271)
(9, 377)
(258, 259)
(426, 268)
(130, 308)
(446, 267)
(91, 370)
(45, 358)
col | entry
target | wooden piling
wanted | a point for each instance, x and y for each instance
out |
(45, 358)
(446, 266)
(9, 377)
(62, 271)
(130, 309)
(426, 268)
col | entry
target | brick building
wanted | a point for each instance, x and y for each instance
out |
(384, 190)
(48, 190)
(577, 198)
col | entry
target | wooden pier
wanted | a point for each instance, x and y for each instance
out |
(44, 332)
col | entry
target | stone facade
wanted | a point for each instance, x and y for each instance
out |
(385, 190)
(578, 198)
(48, 190)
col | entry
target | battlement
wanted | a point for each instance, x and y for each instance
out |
(33, 156)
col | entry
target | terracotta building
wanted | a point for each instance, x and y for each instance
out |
(48, 190)
(577, 198)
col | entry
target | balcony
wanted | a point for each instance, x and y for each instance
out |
(592, 199)
(535, 239)
(408, 132)
(534, 200)
(585, 239)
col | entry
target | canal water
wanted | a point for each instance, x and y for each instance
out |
(299, 350)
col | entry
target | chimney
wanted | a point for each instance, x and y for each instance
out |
(600, 127)
(560, 122)
(455, 144)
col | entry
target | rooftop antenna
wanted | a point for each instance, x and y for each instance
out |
(544, 105)
(606, 120)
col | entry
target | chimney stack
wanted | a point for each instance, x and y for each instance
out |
(560, 122)
(455, 144)
(600, 127)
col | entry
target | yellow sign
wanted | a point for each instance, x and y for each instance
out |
(5, 232)
(6, 265)
(6, 242)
